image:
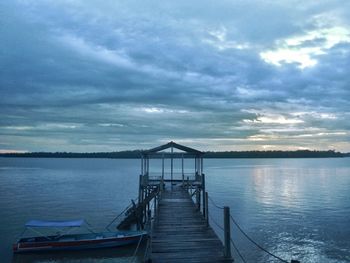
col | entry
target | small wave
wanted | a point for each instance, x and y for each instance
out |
(19, 168)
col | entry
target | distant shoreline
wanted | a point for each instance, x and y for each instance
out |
(208, 155)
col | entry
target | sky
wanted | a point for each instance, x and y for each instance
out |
(92, 76)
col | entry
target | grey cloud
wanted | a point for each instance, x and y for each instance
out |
(67, 67)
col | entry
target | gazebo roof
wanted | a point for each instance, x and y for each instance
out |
(172, 144)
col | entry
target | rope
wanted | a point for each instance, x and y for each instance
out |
(136, 250)
(147, 250)
(245, 234)
(216, 223)
(239, 253)
(90, 227)
(232, 242)
(121, 213)
(256, 244)
(217, 206)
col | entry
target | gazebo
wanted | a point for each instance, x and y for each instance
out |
(183, 152)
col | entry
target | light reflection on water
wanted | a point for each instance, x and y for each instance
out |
(296, 208)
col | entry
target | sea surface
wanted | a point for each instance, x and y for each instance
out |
(294, 208)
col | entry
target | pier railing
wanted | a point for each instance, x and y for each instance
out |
(225, 227)
(152, 215)
(157, 177)
(154, 179)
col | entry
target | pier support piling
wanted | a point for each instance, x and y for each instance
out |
(206, 216)
(227, 228)
(203, 191)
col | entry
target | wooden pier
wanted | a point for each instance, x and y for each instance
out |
(175, 210)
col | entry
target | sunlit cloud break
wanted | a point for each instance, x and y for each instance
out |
(304, 49)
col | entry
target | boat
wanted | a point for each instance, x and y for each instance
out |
(66, 241)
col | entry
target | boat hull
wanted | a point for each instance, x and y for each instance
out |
(76, 242)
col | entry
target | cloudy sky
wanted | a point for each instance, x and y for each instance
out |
(217, 75)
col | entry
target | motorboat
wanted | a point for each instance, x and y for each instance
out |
(67, 241)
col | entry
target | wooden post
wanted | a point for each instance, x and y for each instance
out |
(163, 166)
(203, 191)
(142, 164)
(171, 164)
(201, 164)
(198, 198)
(149, 219)
(227, 234)
(195, 166)
(144, 208)
(182, 166)
(156, 211)
(138, 223)
(198, 167)
(140, 209)
(162, 186)
(140, 187)
(206, 216)
(147, 166)
(149, 202)
(155, 205)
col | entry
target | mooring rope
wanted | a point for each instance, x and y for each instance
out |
(121, 213)
(232, 242)
(243, 232)
(90, 227)
(239, 253)
(145, 255)
(255, 243)
(217, 206)
(216, 223)
(136, 250)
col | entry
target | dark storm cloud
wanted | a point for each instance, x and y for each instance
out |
(91, 76)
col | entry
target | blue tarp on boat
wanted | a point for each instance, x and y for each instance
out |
(41, 223)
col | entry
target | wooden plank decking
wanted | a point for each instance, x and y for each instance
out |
(181, 234)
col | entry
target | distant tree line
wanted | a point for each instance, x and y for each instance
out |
(121, 154)
(229, 154)
(276, 154)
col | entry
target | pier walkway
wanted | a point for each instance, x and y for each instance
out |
(181, 233)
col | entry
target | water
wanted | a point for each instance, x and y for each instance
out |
(295, 208)
(94, 189)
